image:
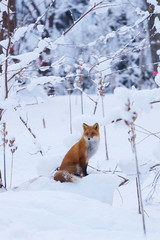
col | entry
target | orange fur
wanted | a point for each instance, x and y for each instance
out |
(76, 160)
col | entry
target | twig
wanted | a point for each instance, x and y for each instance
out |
(18, 72)
(131, 124)
(29, 129)
(139, 191)
(113, 172)
(156, 165)
(72, 16)
(117, 54)
(70, 103)
(36, 178)
(143, 139)
(7, 51)
(101, 89)
(124, 182)
(78, 82)
(79, 19)
(13, 148)
(147, 131)
(29, 181)
(154, 184)
(155, 102)
(96, 102)
(11, 177)
(39, 18)
(4, 152)
(1, 182)
(105, 135)
(138, 196)
(89, 74)
(95, 108)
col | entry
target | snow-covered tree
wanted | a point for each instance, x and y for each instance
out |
(113, 38)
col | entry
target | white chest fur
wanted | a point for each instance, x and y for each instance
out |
(92, 146)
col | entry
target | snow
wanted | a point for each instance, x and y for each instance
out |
(19, 33)
(103, 67)
(154, 2)
(43, 80)
(24, 59)
(146, 14)
(60, 40)
(157, 78)
(156, 24)
(157, 9)
(8, 103)
(4, 43)
(40, 217)
(40, 28)
(37, 207)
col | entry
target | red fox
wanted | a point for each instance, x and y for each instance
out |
(76, 160)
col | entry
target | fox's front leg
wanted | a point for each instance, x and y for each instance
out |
(85, 170)
(84, 164)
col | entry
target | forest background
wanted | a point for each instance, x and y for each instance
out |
(116, 42)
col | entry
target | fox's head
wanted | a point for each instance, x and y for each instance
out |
(91, 132)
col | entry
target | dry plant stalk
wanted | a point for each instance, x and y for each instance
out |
(5, 141)
(125, 180)
(13, 148)
(29, 129)
(7, 50)
(44, 123)
(70, 104)
(132, 138)
(1, 182)
(101, 92)
(79, 83)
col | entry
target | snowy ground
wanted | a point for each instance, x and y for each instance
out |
(39, 208)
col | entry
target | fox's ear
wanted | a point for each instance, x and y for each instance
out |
(96, 126)
(85, 126)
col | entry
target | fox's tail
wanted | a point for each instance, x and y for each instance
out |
(65, 176)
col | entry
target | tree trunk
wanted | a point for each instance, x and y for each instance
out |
(13, 19)
(12, 23)
(51, 18)
(154, 37)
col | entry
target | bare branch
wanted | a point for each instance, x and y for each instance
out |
(79, 19)
(7, 51)
(29, 129)
(125, 180)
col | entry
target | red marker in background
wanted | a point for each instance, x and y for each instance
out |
(155, 73)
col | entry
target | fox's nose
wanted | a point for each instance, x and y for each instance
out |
(88, 138)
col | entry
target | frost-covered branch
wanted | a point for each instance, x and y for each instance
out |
(79, 19)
